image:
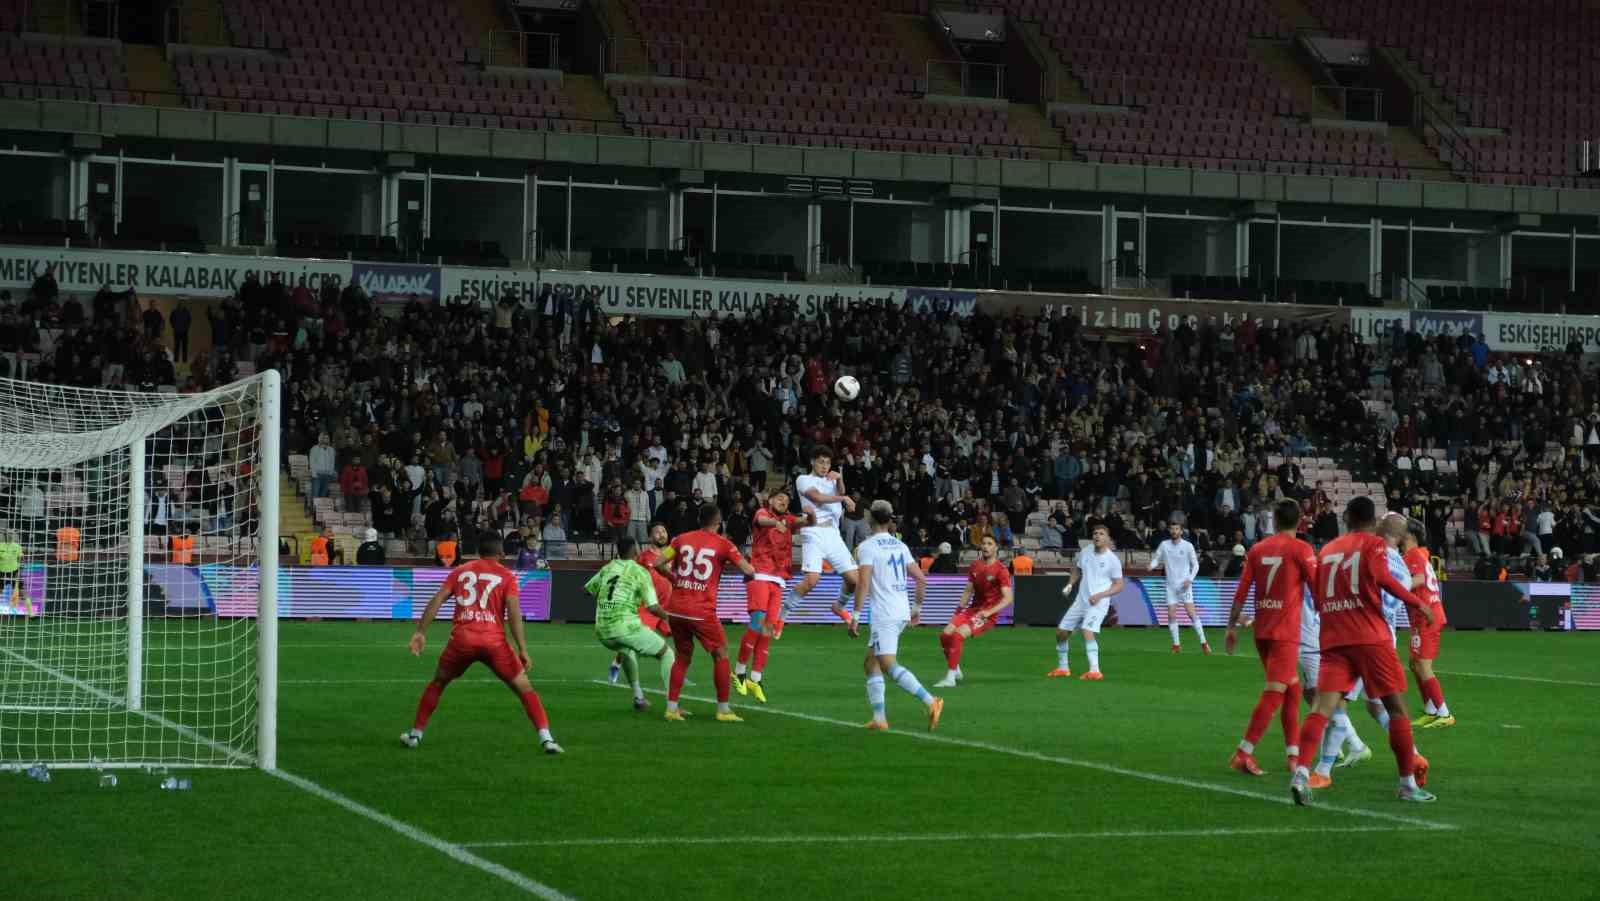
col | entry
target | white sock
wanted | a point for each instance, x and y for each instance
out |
(672, 705)
(952, 674)
(638, 691)
(724, 707)
(1247, 747)
(1172, 626)
(738, 668)
(1444, 710)
(1408, 782)
(544, 735)
(414, 733)
(1200, 630)
(755, 676)
(1063, 653)
(907, 680)
(1093, 650)
(1429, 709)
(1382, 716)
(875, 697)
(960, 674)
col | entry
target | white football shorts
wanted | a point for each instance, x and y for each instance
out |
(819, 543)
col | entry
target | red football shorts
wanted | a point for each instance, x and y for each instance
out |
(659, 626)
(1280, 659)
(708, 631)
(764, 597)
(967, 617)
(1425, 641)
(1374, 664)
(461, 653)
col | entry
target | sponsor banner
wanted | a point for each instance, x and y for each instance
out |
(185, 274)
(1520, 332)
(626, 294)
(1143, 314)
(1379, 326)
(397, 281)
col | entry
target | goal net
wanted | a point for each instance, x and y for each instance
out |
(138, 574)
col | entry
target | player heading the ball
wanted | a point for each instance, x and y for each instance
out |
(822, 495)
(485, 595)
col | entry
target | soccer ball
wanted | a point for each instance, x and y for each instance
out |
(847, 387)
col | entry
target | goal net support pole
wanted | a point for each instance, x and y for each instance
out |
(136, 512)
(267, 554)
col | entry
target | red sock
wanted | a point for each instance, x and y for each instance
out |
(1266, 706)
(747, 645)
(952, 648)
(1402, 744)
(1311, 736)
(680, 666)
(763, 644)
(426, 706)
(724, 678)
(1432, 692)
(1289, 717)
(534, 708)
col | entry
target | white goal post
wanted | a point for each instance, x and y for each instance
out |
(138, 575)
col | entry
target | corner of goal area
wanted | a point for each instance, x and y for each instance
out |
(1395, 822)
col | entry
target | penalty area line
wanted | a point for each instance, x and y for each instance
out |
(610, 841)
(1162, 779)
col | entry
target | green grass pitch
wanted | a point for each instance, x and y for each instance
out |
(1032, 788)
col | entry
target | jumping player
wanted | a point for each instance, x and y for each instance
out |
(772, 554)
(1099, 579)
(621, 589)
(1177, 559)
(1425, 639)
(822, 495)
(485, 595)
(650, 554)
(885, 564)
(987, 593)
(696, 569)
(1351, 571)
(1280, 568)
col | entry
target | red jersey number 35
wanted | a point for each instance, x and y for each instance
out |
(696, 564)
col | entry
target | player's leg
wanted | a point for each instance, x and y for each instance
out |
(757, 604)
(1424, 650)
(615, 671)
(843, 563)
(1174, 627)
(1335, 676)
(953, 639)
(1198, 626)
(876, 692)
(1387, 681)
(885, 643)
(1091, 649)
(810, 571)
(1274, 695)
(507, 665)
(715, 642)
(628, 660)
(453, 661)
(683, 644)
(771, 612)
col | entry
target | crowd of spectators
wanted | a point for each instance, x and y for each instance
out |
(545, 417)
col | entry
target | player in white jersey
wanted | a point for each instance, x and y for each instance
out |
(1099, 578)
(885, 563)
(822, 495)
(1177, 559)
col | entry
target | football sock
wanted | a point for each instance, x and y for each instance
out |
(1435, 696)
(426, 706)
(630, 668)
(1444, 709)
(1427, 705)
(747, 649)
(534, 708)
(1063, 653)
(1348, 736)
(908, 681)
(875, 693)
(1172, 626)
(755, 676)
(1400, 742)
(1092, 648)
(1381, 714)
(1311, 735)
(1200, 630)
(680, 668)
(1289, 718)
(668, 659)
(544, 735)
(723, 679)
(1266, 706)
(763, 644)
(953, 643)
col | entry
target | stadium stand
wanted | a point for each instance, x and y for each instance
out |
(55, 68)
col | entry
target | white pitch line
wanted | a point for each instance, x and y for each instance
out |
(1081, 764)
(449, 849)
(421, 680)
(1250, 658)
(455, 852)
(929, 837)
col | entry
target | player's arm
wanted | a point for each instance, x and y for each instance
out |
(664, 565)
(1007, 598)
(1240, 593)
(737, 559)
(1159, 558)
(647, 597)
(1116, 586)
(419, 638)
(766, 520)
(1378, 568)
(863, 578)
(919, 593)
(966, 592)
(519, 636)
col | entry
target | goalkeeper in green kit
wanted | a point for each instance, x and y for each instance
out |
(620, 588)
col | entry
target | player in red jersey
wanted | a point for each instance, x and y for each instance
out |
(772, 554)
(988, 591)
(485, 595)
(650, 554)
(1352, 571)
(1281, 568)
(1425, 639)
(696, 569)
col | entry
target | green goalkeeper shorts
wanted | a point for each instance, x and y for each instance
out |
(643, 642)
